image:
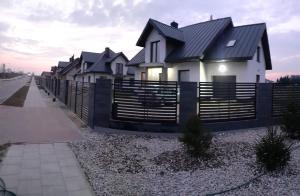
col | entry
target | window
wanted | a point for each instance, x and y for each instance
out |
(258, 54)
(257, 78)
(89, 79)
(119, 69)
(231, 43)
(154, 51)
(183, 75)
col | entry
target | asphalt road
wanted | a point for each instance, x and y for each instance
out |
(9, 87)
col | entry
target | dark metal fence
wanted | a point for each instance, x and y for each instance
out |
(145, 101)
(283, 94)
(227, 101)
(78, 99)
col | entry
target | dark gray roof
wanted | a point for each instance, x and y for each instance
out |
(70, 66)
(90, 57)
(102, 64)
(247, 38)
(138, 58)
(198, 37)
(62, 64)
(167, 31)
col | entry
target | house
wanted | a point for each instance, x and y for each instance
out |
(214, 50)
(107, 64)
(70, 71)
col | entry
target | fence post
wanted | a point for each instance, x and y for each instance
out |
(91, 106)
(102, 102)
(264, 104)
(188, 101)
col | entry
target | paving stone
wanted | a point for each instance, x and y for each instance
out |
(49, 158)
(61, 146)
(31, 164)
(71, 171)
(76, 184)
(65, 162)
(14, 152)
(81, 193)
(31, 155)
(30, 174)
(50, 168)
(9, 170)
(12, 160)
(28, 187)
(54, 179)
(11, 181)
(55, 191)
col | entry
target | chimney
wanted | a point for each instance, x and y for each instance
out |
(72, 58)
(174, 24)
(106, 52)
(211, 17)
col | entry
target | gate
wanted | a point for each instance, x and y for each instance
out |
(227, 101)
(145, 101)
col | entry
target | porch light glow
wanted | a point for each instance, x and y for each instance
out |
(222, 68)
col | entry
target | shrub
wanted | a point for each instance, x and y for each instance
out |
(196, 139)
(291, 121)
(271, 151)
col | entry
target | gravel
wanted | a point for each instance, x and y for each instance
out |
(119, 164)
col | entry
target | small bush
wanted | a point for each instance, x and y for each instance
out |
(196, 139)
(271, 151)
(291, 121)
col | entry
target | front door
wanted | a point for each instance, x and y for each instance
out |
(183, 75)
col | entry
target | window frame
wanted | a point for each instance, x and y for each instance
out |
(152, 45)
(119, 71)
(258, 49)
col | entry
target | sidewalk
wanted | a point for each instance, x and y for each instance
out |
(44, 165)
(43, 170)
(34, 98)
(37, 122)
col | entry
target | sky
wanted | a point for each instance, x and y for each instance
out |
(36, 34)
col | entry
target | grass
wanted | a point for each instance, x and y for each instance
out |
(18, 98)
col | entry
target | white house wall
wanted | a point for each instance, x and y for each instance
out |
(193, 67)
(155, 36)
(120, 59)
(245, 71)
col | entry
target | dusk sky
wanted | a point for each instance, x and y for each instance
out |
(36, 34)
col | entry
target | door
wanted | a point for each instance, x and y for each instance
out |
(183, 75)
(224, 87)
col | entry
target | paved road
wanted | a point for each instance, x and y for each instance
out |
(9, 87)
(39, 121)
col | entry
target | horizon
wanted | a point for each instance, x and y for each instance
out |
(35, 35)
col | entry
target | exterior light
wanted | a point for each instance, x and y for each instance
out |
(222, 68)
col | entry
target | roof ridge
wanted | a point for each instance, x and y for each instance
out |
(261, 23)
(165, 24)
(206, 22)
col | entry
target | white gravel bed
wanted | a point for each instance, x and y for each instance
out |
(118, 164)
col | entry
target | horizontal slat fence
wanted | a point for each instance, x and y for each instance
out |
(145, 101)
(283, 94)
(227, 101)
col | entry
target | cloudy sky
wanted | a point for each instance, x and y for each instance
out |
(36, 34)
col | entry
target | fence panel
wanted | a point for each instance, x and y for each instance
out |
(145, 101)
(227, 101)
(283, 94)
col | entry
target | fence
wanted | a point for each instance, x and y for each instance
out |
(145, 101)
(283, 94)
(165, 106)
(226, 101)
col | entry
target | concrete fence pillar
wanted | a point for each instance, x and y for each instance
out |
(102, 102)
(188, 101)
(264, 103)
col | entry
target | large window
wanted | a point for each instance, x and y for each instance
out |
(154, 54)
(258, 54)
(119, 69)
